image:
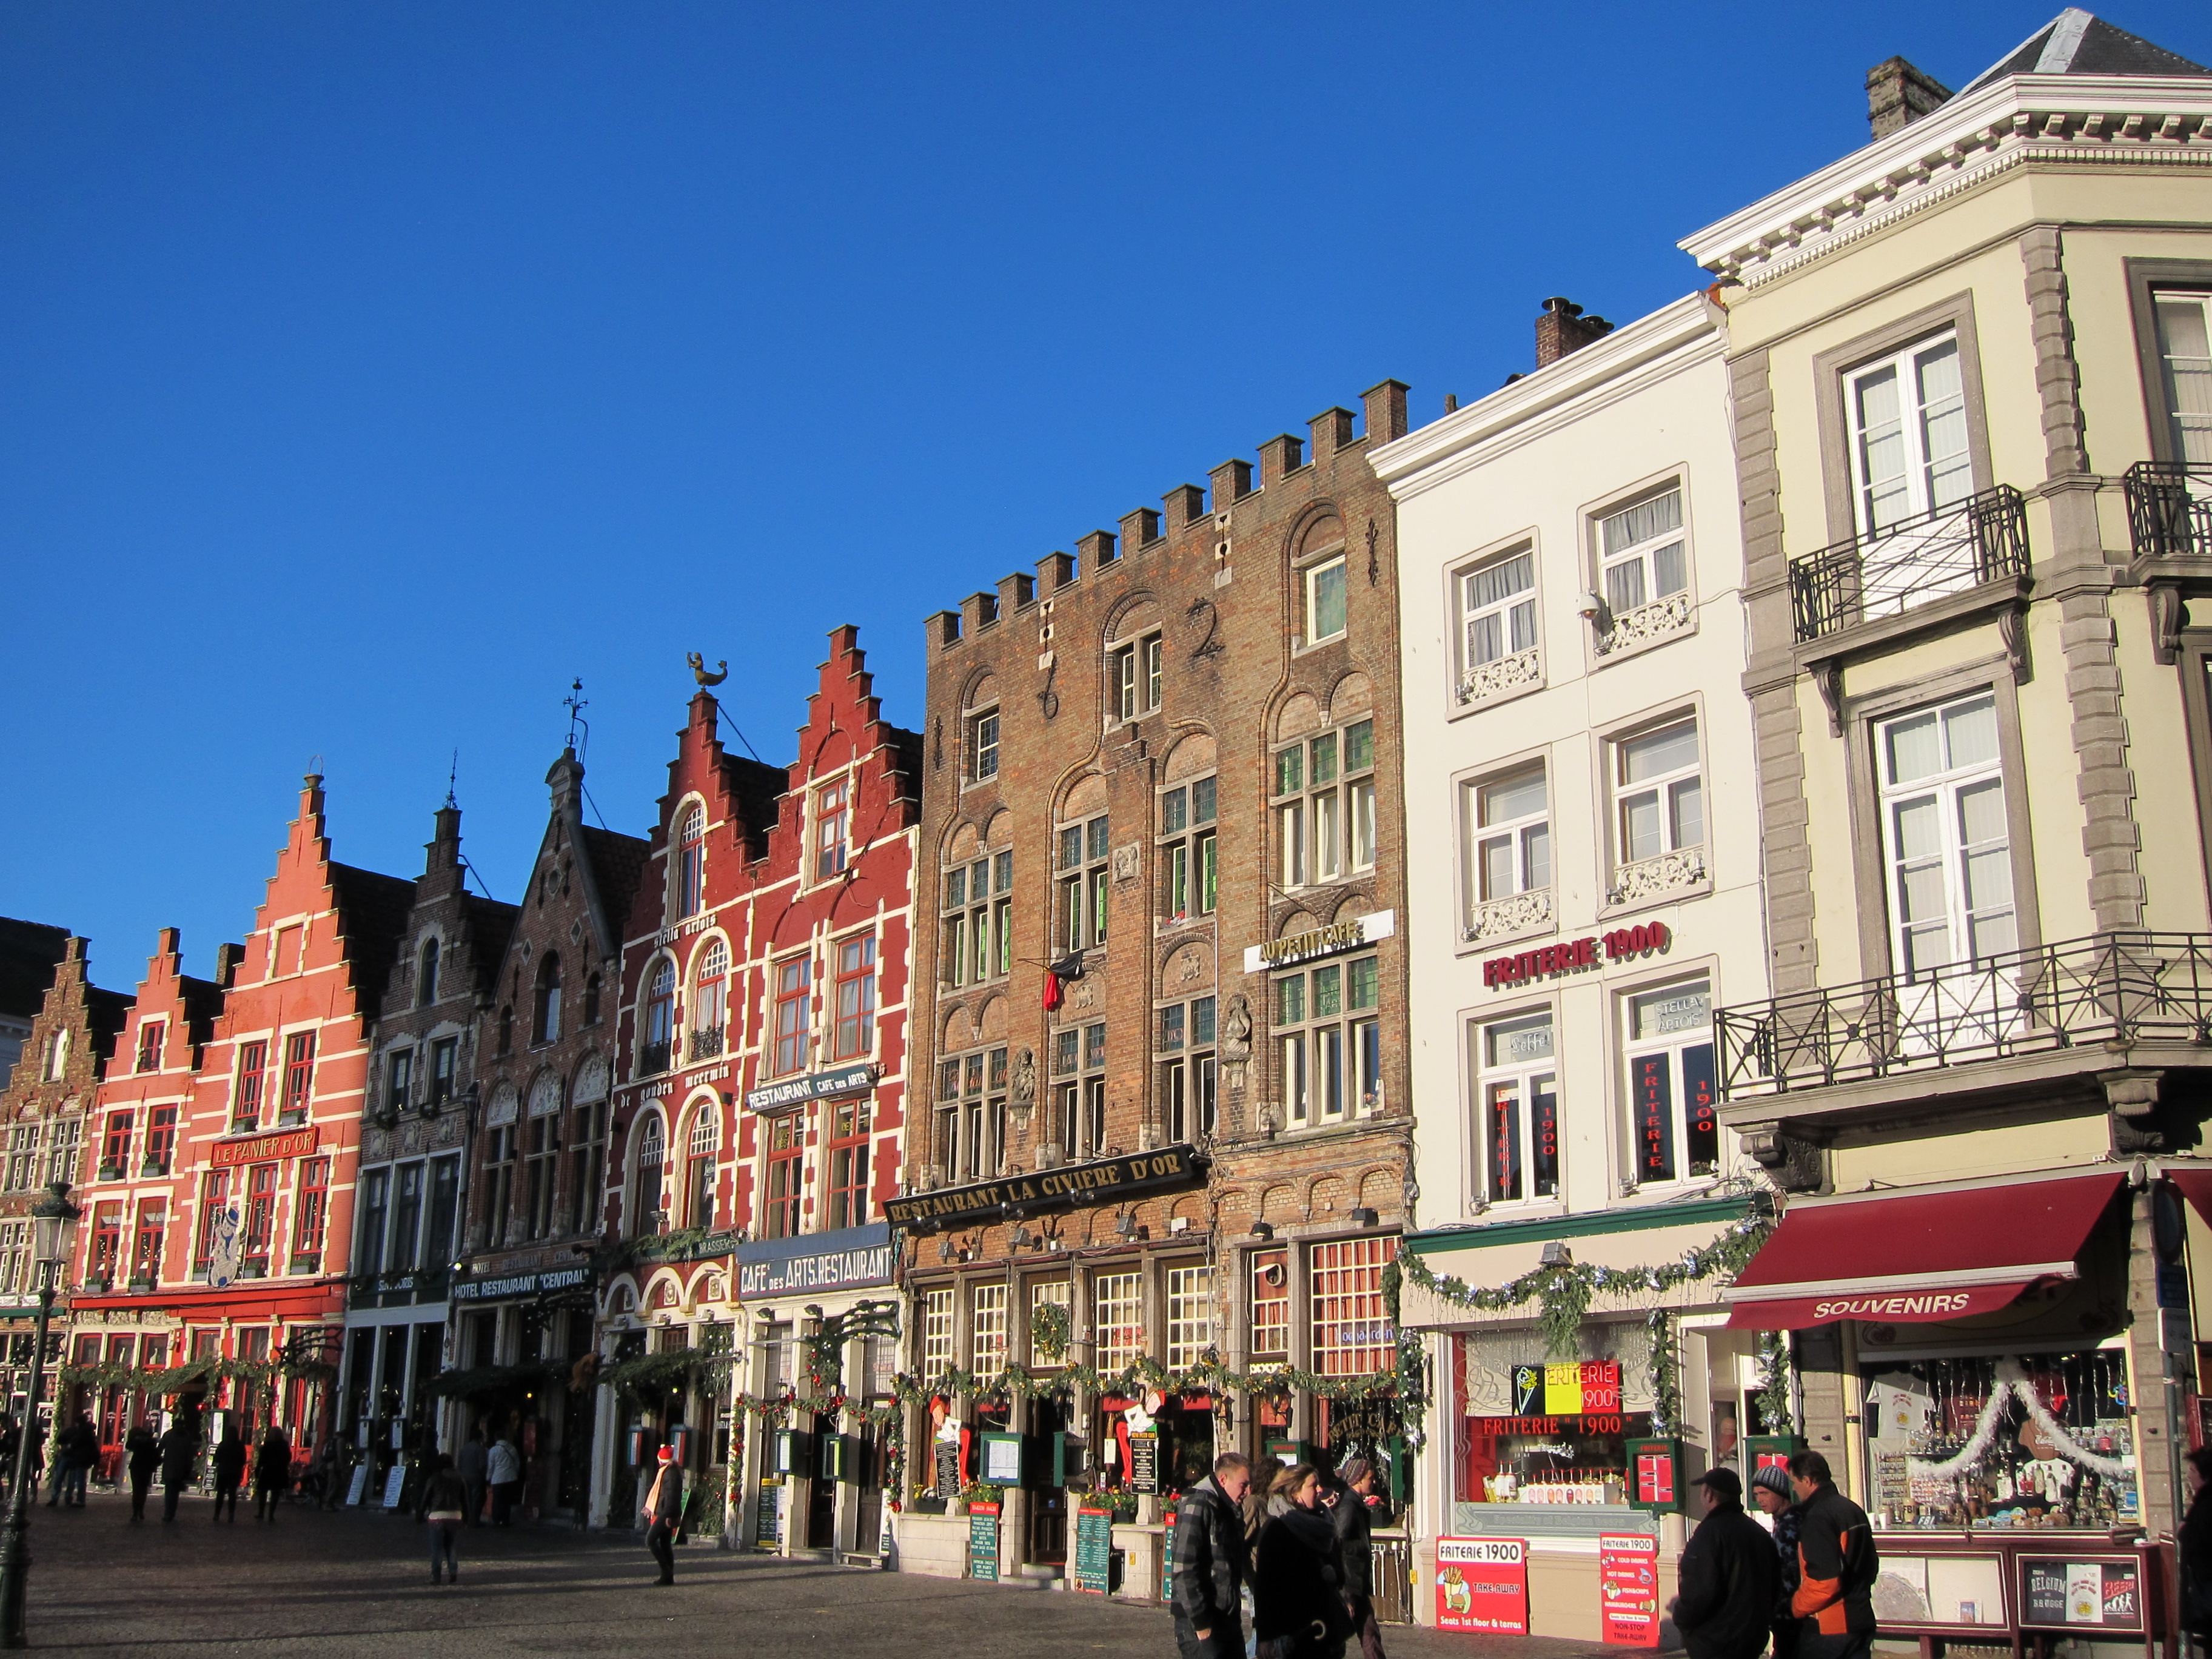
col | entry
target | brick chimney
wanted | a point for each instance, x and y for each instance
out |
(1563, 328)
(1899, 95)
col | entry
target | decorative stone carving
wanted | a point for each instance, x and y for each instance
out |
(1647, 623)
(1236, 1043)
(1025, 1077)
(1486, 680)
(1126, 861)
(1518, 913)
(1650, 877)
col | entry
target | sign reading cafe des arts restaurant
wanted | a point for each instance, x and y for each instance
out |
(1100, 1181)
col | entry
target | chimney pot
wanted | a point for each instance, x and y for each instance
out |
(1898, 95)
(1563, 328)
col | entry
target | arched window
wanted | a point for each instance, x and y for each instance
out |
(545, 1009)
(692, 863)
(592, 1000)
(710, 1001)
(589, 1153)
(426, 976)
(699, 1169)
(506, 1031)
(646, 1215)
(659, 1018)
(57, 1052)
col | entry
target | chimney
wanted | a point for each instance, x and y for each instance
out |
(1899, 95)
(1563, 328)
(227, 959)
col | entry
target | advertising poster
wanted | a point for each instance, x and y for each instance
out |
(1628, 1589)
(1482, 1584)
(1094, 1550)
(983, 1542)
(2104, 1593)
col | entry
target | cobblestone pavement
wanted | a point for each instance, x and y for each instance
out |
(354, 1583)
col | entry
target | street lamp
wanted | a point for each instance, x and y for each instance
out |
(50, 1220)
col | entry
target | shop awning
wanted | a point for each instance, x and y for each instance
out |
(1919, 1254)
(2195, 1185)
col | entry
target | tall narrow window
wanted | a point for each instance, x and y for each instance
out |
(794, 1014)
(1946, 836)
(499, 1147)
(700, 1167)
(1497, 611)
(403, 1254)
(545, 1002)
(115, 1147)
(215, 1210)
(1519, 1131)
(1189, 862)
(57, 1055)
(1324, 793)
(1506, 826)
(426, 974)
(541, 1155)
(937, 1351)
(1079, 1089)
(660, 1018)
(445, 1058)
(161, 1141)
(851, 1122)
(1135, 671)
(1642, 553)
(1117, 1318)
(398, 1080)
(445, 1209)
(1189, 1074)
(246, 1093)
(151, 1033)
(692, 863)
(375, 1217)
(1049, 1293)
(832, 826)
(1190, 1316)
(146, 1250)
(1671, 1095)
(978, 927)
(786, 1183)
(856, 997)
(1328, 1041)
(1271, 1307)
(589, 1162)
(710, 1002)
(649, 1216)
(62, 1157)
(1659, 793)
(1084, 881)
(2184, 346)
(1908, 419)
(592, 1000)
(986, 1330)
(1325, 610)
(106, 1256)
(983, 745)
(972, 1123)
(299, 1076)
(311, 1214)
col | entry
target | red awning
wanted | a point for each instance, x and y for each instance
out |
(2195, 1185)
(1918, 1254)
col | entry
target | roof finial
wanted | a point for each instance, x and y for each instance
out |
(699, 669)
(453, 776)
(575, 702)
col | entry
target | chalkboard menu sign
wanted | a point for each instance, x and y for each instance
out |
(1144, 1462)
(948, 1468)
(1094, 1550)
(983, 1542)
(2081, 1592)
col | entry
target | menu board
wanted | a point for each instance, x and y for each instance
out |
(983, 1542)
(395, 1483)
(1144, 1462)
(1482, 1584)
(1094, 1550)
(768, 1533)
(2098, 1592)
(947, 1468)
(1002, 1460)
(1628, 1589)
(360, 1483)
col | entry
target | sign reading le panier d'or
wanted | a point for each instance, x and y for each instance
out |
(1332, 940)
(816, 1085)
(260, 1149)
(1101, 1181)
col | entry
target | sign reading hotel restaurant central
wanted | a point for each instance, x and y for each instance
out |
(292, 1143)
(816, 1085)
(1100, 1181)
(1332, 940)
(490, 1289)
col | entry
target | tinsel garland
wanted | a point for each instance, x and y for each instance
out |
(1666, 1372)
(2012, 1383)
(1776, 1412)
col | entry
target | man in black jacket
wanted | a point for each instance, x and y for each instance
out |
(1211, 1562)
(1837, 1564)
(1728, 1577)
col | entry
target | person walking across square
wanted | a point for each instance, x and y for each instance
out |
(1211, 1561)
(1837, 1564)
(1729, 1577)
(663, 1509)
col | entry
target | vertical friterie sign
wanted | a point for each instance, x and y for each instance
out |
(1482, 1584)
(1628, 1589)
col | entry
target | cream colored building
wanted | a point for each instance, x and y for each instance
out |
(1969, 381)
(1585, 878)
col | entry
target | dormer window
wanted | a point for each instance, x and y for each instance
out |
(692, 863)
(832, 824)
(426, 975)
(545, 1004)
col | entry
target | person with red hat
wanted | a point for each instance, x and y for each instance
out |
(664, 1508)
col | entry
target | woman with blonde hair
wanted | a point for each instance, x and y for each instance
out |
(1298, 1585)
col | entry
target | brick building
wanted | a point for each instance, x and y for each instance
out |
(43, 1108)
(1163, 996)
(414, 1140)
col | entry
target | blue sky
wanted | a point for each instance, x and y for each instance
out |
(374, 370)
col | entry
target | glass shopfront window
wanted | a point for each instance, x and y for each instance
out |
(2030, 1441)
(1562, 1438)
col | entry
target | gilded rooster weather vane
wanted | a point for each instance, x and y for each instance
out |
(699, 669)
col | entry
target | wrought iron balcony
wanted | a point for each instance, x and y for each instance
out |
(651, 1058)
(706, 1042)
(2106, 988)
(2170, 509)
(1891, 571)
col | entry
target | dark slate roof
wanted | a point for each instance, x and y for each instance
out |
(617, 867)
(106, 1013)
(490, 924)
(2076, 43)
(28, 953)
(373, 913)
(203, 1000)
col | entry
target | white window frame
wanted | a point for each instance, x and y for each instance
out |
(1642, 557)
(1187, 847)
(1328, 1041)
(1117, 1316)
(937, 1335)
(1190, 1314)
(1527, 1075)
(1948, 790)
(1672, 1076)
(1524, 840)
(1311, 581)
(982, 743)
(1082, 886)
(1668, 792)
(1512, 612)
(1325, 828)
(988, 1332)
(1050, 1292)
(1137, 676)
(2190, 427)
(1185, 1035)
(1926, 481)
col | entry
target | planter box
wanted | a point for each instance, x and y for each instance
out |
(935, 1546)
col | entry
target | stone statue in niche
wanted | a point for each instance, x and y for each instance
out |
(1236, 1043)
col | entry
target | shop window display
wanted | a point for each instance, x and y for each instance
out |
(2028, 1441)
(1532, 1430)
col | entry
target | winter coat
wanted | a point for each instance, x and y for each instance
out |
(664, 1496)
(1298, 1587)
(272, 1463)
(145, 1451)
(444, 1494)
(80, 1445)
(179, 1446)
(1836, 1564)
(1729, 1577)
(1211, 1556)
(504, 1462)
(472, 1460)
(229, 1461)
(1353, 1517)
(2195, 1552)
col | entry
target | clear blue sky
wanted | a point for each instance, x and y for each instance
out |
(373, 369)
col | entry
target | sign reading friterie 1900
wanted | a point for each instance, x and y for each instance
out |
(1101, 1181)
(1628, 1589)
(1482, 1583)
(1572, 956)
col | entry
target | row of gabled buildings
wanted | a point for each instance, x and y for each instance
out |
(1658, 919)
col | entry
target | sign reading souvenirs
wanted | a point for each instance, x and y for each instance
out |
(818, 1085)
(1099, 1181)
(290, 1143)
(493, 1290)
(1337, 937)
(1572, 956)
(844, 1260)
(1482, 1584)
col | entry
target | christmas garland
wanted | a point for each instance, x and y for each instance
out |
(1777, 1414)
(176, 1379)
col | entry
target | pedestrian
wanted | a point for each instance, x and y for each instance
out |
(1836, 1564)
(272, 1472)
(471, 1465)
(1255, 1504)
(1297, 1583)
(1727, 1577)
(1769, 1490)
(334, 1463)
(1354, 1515)
(504, 1468)
(2195, 1540)
(663, 1509)
(76, 1449)
(230, 1470)
(444, 1508)
(11, 1444)
(144, 1454)
(180, 1447)
(1212, 1562)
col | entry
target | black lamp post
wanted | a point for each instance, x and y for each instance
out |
(50, 1219)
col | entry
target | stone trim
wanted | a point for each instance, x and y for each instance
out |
(2110, 836)
(2057, 378)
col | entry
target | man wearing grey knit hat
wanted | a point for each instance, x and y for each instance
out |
(1769, 1490)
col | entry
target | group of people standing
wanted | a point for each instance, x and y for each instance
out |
(1296, 1541)
(1807, 1586)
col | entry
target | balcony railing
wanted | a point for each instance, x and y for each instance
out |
(2106, 988)
(1893, 570)
(2170, 509)
(706, 1042)
(652, 1059)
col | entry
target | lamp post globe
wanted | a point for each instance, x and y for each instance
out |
(50, 1220)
